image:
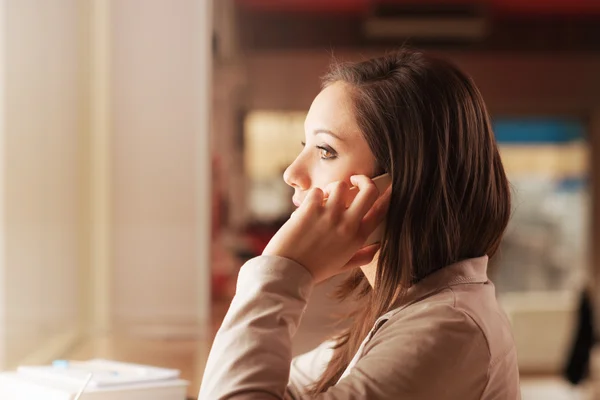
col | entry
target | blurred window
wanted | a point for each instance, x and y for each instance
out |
(545, 247)
(272, 140)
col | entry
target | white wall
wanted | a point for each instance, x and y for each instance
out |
(160, 163)
(3, 330)
(40, 168)
(136, 72)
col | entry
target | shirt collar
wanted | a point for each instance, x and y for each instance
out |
(472, 270)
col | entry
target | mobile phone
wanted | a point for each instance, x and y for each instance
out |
(382, 182)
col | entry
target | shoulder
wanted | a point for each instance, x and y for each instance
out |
(434, 332)
(425, 343)
(438, 316)
(470, 310)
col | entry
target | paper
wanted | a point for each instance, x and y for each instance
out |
(104, 373)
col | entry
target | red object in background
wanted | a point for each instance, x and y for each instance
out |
(259, 238)
(219, 285)
(498, 7)
(311, 6)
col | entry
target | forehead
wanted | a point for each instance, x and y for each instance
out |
(332, 110)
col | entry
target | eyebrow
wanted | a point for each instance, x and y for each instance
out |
(328, 132)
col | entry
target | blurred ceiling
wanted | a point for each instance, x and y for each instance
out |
(361, 7)
(497, 25)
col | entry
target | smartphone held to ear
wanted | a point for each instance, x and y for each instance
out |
(382, 182)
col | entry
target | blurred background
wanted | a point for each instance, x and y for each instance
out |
(143, 144)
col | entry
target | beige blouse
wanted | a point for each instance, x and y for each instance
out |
(447, 339)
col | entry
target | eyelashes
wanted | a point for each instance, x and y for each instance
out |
(326, 152)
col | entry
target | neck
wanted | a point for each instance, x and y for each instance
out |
(370, 270)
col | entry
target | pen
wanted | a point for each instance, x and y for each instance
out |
(89, 378)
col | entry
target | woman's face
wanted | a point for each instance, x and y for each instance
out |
(334, 148)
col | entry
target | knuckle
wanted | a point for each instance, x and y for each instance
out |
(346, 230)
(330, 219)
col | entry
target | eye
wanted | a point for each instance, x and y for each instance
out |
(326, 152)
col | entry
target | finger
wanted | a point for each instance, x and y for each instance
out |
(313, 201)
(363, 256)
(376, 215)
(336, 202)
(365, 198)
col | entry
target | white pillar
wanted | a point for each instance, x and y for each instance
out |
(204, 65)
(97, 281)
(3, 329)
(40, 236)
(160, 103)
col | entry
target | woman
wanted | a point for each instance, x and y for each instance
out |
(428, 325)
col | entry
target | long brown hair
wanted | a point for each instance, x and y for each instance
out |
(427, 125)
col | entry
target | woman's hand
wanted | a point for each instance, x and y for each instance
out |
(326, 237)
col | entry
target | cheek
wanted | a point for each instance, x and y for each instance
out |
(321, 177)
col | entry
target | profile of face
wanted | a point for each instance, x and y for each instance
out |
(334, 147)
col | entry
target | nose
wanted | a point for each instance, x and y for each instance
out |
(295, 176)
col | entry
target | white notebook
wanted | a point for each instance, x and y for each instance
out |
(105, 373)
(63, 383)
